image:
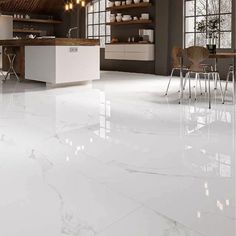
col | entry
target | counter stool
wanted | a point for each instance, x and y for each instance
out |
(231, 73)
(11, 71)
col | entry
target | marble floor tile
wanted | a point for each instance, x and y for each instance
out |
(115, 157)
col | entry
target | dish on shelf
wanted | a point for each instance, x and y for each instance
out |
(110, 4)
(126, 20)
(117, 3)
(144, 16)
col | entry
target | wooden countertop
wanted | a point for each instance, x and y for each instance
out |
(131, 43)
(49, 42)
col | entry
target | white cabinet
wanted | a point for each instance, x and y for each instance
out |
(63, 65)
(133, 52)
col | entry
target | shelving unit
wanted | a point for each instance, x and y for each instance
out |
(133, 22)
(133, 5)
(26, 31)
(43, 21)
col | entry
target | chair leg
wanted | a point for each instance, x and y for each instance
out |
(171, 76)
(215, 79)
(196, 78)
(209, 90)
(226, 86)
(233, 80)
(189, 85)
(205, 78)
(8, 73)
(221, 90)
(185, 80)
(200, 84)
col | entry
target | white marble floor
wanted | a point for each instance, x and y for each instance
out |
(115, 158)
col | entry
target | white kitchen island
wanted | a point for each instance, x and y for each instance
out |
(59, 61)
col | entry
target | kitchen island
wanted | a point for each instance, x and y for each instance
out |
(55, 61)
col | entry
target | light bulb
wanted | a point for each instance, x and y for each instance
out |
(66, 7)
(77, 1)
(70, 5)
(83, 3)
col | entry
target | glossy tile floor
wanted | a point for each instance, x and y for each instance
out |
(115, 158)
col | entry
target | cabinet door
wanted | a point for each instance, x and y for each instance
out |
(114, 48)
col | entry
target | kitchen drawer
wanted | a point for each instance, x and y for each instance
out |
(132, 52)
(139, 48)
(139, 56)
(114, 55)
(115, 48)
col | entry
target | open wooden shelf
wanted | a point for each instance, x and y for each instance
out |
(133, 5)
(132, 22)
(43, 21)
(27, 31)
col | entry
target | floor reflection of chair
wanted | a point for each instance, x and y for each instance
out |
(231, 74)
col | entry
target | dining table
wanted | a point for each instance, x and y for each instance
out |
(216, 57)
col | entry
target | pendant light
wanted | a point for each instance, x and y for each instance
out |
(69, 5)
(83, 3)
(66, 6)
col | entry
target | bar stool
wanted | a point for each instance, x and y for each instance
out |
(231, 73)
(11, 58)
(197, 55)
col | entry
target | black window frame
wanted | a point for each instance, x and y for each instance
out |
(107, 35)
(207, 15)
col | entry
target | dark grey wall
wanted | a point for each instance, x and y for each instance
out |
(162, 36)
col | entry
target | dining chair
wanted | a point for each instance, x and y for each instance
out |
(176, 55)
(231, 73)
(197, 55)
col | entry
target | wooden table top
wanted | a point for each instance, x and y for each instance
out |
(223, 55)
(49, 42)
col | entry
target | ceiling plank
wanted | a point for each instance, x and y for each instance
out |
(32, 6)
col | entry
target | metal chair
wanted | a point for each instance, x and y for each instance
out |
(11, 58)
(177, 54)
(231, 73)
(196, 56)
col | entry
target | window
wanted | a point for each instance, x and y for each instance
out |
(203, 11)
(96, 18)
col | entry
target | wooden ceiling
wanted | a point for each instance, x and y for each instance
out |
(32, 6)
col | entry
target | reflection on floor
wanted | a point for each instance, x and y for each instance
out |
(115, 158)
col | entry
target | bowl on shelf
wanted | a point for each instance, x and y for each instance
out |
(136, 1)
(117, 3)
(128, 2)
(147, 1)
(126, 18)
(144, 16)
(110, 4)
